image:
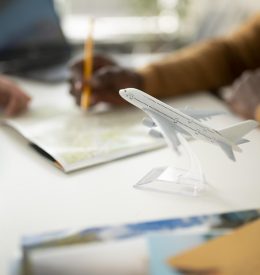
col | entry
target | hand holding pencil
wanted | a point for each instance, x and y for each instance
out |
(106, 80)
(97, 78)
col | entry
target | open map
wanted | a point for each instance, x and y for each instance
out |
(76, 139)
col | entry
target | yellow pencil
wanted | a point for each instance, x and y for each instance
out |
(87, 66)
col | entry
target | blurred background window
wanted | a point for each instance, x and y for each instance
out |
(152, 25)
(39, 34)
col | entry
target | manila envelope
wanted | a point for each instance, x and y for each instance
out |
(235, 253)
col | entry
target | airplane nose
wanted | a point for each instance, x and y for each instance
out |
(122, 92)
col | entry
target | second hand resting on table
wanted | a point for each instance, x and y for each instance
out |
(13, 101)
(209, 65)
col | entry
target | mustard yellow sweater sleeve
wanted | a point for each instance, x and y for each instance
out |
(207, 65)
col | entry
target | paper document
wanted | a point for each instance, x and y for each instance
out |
(75, 139)
(127, 248)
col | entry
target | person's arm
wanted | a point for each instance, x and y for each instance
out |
(13, 100)
(257, 113)
(206, 66)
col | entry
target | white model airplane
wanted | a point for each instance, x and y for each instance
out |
(186, 122)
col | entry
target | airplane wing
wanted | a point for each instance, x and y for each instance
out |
(201, 114)
(167, 129)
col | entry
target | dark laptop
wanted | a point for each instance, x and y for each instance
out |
(31, 40)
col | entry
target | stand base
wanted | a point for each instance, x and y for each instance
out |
(173, 180)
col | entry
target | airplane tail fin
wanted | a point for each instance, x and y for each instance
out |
(235, 132)
(235, 135)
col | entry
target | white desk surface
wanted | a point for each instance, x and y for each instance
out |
(36, 197)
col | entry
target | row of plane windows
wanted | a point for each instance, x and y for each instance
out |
(176, 120)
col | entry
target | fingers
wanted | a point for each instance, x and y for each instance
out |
(244, 94)
(99, 61)
(99, 93)
(17, 103)
(12, 107)
(12, 99)
(106, 81)
(15, 106)
(107, 97)
(105, 84)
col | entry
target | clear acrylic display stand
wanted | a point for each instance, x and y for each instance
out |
(189, 181)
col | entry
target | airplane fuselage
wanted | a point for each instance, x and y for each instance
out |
(173, 122)
(185, 123)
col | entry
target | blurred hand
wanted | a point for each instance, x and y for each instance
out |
(106, 81)
(12, 99)
(244, 95)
